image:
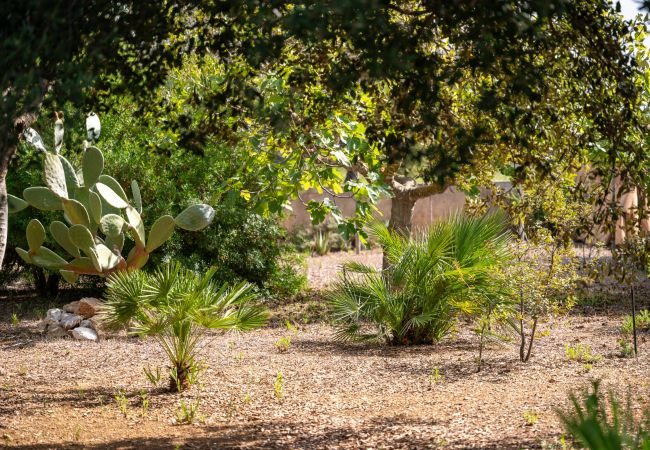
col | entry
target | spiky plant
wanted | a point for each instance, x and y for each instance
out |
(430, 278)
(599, 422)
(99, 215)
(177, 307)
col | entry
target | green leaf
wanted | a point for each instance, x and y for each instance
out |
(95, 204)
(112, 225)
(35, 234)
(137, 226)
(92, 166)
(161, 230)
(76, 212)
(46, 258)
(195, 217)
(16, 204)
(81, 237)
(69, 276)
(24, 255)
(42, 198)
(71, 180)
(111, 197)
(54, 175)
(61, 235)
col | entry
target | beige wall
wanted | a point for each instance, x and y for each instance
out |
(426, 209)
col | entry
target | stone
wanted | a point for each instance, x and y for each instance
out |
(69, 321)
(53, 316)
(56, 331)
(86, 323)
(72, 307)
(89, 306)
(84, 334)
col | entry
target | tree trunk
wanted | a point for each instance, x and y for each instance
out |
(401, 217)
(401, 213)
(4, 214)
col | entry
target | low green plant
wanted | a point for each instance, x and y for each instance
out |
(177, 307)
(597, 422)
(14, 319)
(283, 344)
(122, 402)
(435, 377)
(278, 385)
(580, 353)
(153, 376)
(531, 417)
(428, 281)
(144, 400)
(321, 243)
(187, 413)
(626, 350)
(642, 322)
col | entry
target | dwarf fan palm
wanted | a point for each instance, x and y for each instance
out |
(177, 307)
(429, 279)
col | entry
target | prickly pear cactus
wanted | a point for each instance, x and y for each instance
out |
(98, 216)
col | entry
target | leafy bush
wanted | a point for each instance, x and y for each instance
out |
(176, 306)
(642, 322)
(242, 245)
(429, 280)
(600, 423)
(543, 279)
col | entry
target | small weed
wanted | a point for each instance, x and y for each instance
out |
(187, 413)
(14, 319)
(626, 350)
(283, 344)
(587, 367)
(22, 371)
(291, 328)
(530, 417)
(77, 432)
(321, 244)
(122, 403)
(581, 353)
(240, 356)
(247, 400)
(144, 398)
(434, 377)
(278, 385)
(153, 376)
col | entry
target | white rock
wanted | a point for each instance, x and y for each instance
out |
(69, 321)
(84, 334)
(53, 315)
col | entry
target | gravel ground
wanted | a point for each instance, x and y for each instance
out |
(61, 393)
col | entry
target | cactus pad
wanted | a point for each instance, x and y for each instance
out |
(195, 217)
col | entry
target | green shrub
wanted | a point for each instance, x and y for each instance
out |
(242, 245)
(642, 322)
(430, 279)
(176, 306)
(600, 423)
